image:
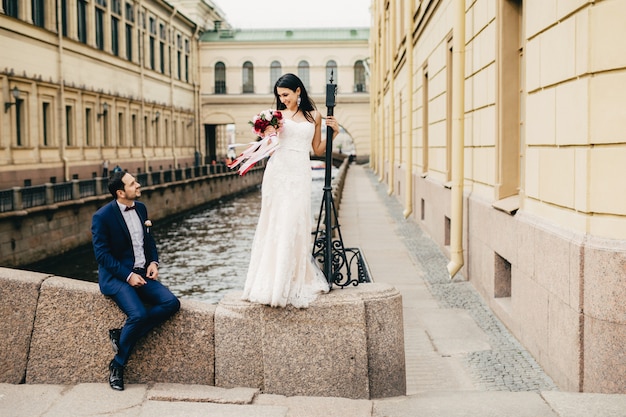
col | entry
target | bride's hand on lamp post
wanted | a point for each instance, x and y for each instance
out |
(333, 124)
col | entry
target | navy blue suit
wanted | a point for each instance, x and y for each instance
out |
(113, 249)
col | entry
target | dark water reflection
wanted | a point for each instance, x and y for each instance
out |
(203, 254)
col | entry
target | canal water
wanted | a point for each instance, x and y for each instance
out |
(203, 254)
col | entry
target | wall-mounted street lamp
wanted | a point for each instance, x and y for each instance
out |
(15, 92)
(105, 110)
(156, 116)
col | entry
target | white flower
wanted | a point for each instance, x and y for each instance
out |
(148, 225)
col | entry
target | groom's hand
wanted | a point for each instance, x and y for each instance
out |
(153, 271)
(136, 280)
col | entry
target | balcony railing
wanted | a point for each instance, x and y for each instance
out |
(20, 198)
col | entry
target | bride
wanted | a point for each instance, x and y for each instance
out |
(282, 270)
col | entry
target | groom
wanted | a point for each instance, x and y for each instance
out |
(128, 269)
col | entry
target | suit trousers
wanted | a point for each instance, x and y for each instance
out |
(140, 319)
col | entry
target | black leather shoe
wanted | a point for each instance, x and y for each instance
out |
(114, 335)
(116, 376)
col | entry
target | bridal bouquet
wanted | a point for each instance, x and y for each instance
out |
(264, 147)
(266, 118)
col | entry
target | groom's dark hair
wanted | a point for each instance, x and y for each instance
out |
(116, 183)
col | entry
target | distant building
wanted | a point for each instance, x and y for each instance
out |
(109, 80)
(240, 67)
(500, 125)
(152, 85)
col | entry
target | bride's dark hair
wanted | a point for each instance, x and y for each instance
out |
(292, 82)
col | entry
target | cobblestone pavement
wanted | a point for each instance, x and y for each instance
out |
(507, 366)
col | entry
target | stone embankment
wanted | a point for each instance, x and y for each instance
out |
(349, 343)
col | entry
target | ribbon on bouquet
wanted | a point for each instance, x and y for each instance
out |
(254, 153)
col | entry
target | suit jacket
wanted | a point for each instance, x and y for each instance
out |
(113, 247)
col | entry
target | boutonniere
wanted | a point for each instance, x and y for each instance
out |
(148, 225)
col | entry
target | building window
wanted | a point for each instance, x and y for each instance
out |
(162, 55)
(81, 10)
(275, 72)
(88, 127)
(179, 55)
(64, 18)
(167, 132)
(38, 12)
(130, 20)
(186, 60)
(359, 77)
(121, 129)
(248, 77)
(303, 73)
(115, 36)
(100, 10)
(145, 131)
(220, 78)
(11, 7)
(45, 124)
(133, 129)
(69, 125)
(331, 72)
(152, 43)
(105, 129)
(116, 15)
(19, 122)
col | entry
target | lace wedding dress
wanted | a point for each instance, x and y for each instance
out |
(282, 270)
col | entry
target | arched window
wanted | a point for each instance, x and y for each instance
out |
(359, 77)
(275, 71)
(220, 78)
(303, 73)
(248, 77)
(331, 68)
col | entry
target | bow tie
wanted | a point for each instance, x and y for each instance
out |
(129, 208)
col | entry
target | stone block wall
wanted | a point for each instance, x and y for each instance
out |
(349, 343)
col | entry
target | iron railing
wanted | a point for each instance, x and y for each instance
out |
(20, 198)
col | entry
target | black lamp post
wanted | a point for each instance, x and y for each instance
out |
(331, 253)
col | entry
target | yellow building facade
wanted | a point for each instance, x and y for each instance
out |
(239, 68)
(108, 80)
(499, 124)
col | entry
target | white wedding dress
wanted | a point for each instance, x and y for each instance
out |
(282, 270)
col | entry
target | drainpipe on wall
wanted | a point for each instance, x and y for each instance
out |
(408, 193)
(60, 104)
(458, 141)
(381, 102)
(197, 120)
(392, 105)
(172, 132)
